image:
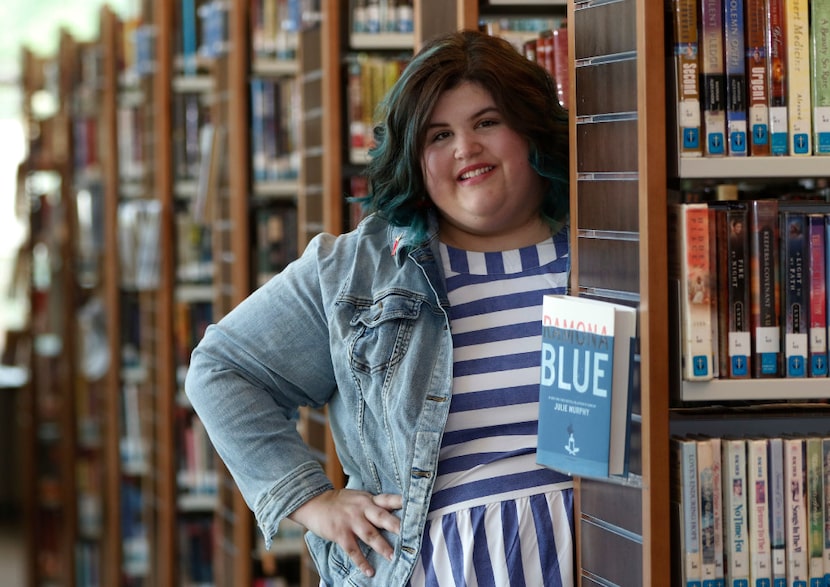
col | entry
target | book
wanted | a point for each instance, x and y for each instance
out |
(825, 452)
(685, 498)
(777, 530)
(560, 63)
(814, 477)
(795, 514)
(760, 563)
(714, 302)
(755, 19)
(817, 288)
(733, 291)
(735, 530)
(794, 298)
(777, 72)
(584, 396)
(712, 78)
(707, 490)
(687, 83)
(689, 261)
(735, 68)
(764, 287)
(820, 74)
(799, 110)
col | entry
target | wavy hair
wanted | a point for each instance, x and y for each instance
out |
(524, 93)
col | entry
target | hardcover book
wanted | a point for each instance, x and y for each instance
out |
(757, 64)
(794, 255)
(735, 65)
(817, 287)
(820, 74)
(777, 55)
(797, 26)
(712, 79)
(733, 291)
(584, 395)
(689, 263)
(687, 71)
(764, 287)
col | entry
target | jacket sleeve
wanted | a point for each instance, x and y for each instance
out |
(249, 375)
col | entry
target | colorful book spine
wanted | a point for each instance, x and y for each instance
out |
(713, 286)
(760, 562)
(687, 83)
(825, 451)
(690, 265)
(685, 503)
(777, 56)
(777, 530)
(735, 529)
(820, 74)
(713, 80)
(817, 287)
(764, 287)
(717, 503)
(815, 509)
(794, 295)
(735, 344)
(755, 17)
(797, 26)
(795, 508)
(706, 486)
(735, 66)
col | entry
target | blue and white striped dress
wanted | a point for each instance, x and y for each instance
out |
(496, 517)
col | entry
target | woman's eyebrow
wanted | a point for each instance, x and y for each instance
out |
(482, 112)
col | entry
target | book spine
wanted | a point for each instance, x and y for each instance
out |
(794, 254)
(733, 285)
(686, 498)
(736, 541)
(795, 519)
(820, 74)
(713, 92)
(777, 531)
(687, 82)
(706, 487)
(757, 62)
(764, 287)
(825, 451)
(691, 226)
(796, 20)
(815, 509)
(816, 277)
(717, 503)
(760, 571)
(713, 294)
(735, 67)
(777, 73)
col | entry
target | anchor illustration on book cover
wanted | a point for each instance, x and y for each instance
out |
(571, 446)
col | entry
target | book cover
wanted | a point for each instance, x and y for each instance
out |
(712, 79)
(735, 529)
(820, 74)
(735, 66)
(687, 82)
(794, 255)
(777, 52)
(760, 562)
(795, 514)
(757, 63)
(815, 509)
(764, 287)
(733, 291)
(800, 112)
(777, 531)
(817, 288)
(689, 264)
(686, 517)
(584, 396)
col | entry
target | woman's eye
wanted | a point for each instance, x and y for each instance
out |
(488, 122)
(440, 136)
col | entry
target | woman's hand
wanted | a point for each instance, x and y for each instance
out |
(344, 516)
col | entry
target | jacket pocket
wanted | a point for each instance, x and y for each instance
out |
(382, 332)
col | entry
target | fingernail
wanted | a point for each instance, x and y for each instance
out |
(369, 571)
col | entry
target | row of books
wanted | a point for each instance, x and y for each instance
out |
(382, 16)
(275, 128)
(751, 511)
(752, 77)
(752, 281)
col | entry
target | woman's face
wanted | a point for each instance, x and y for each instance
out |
(478, 175)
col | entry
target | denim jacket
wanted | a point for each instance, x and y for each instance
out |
(359, 323)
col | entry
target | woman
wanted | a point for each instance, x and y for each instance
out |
(421, 332)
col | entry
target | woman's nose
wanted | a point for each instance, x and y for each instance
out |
(466, 145)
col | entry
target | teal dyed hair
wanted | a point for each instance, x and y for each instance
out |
(524, 93)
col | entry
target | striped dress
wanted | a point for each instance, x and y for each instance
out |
(496, 517)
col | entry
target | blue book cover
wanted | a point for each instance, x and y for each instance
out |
(584, 396)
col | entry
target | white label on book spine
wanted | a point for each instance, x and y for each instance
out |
(739, 344)
(818, 340)
(767, 339)
(688, 111)
(821, 126)
(778, 129)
